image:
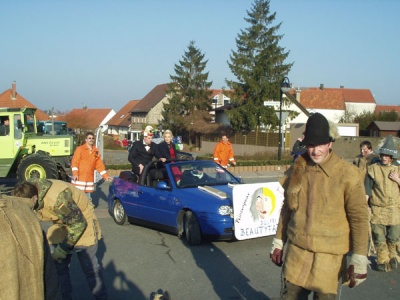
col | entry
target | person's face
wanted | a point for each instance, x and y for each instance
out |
(90, 140)
(365, 152)
(6, 122)
(318, 153)
(224, 139)
(147, 139)
(167, 138)
(386, 159)
(262, 205)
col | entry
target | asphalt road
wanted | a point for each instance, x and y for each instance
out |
(140, 261)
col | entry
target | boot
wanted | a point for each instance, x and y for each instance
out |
(166, 296)
(393, 255)
(382, 257)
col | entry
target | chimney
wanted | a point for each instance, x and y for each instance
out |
(321, 86)
(14, 91)
(298, 92)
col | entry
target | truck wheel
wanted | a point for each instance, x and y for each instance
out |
(37, 166)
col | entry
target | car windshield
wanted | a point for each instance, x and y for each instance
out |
(200, 173)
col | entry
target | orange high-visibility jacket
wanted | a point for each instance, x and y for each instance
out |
(223, 153)
(83, 164)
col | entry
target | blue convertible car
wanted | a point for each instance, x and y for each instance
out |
(189, 198)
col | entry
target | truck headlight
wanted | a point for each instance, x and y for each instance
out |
(225, 210)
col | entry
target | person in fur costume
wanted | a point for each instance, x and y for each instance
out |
(382, 187)
(324, 218)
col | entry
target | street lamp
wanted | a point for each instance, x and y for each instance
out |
(285, 86)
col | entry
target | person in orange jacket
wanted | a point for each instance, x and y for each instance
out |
(223, 152)
(86, 159)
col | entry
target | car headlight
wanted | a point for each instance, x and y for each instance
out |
(225, 210)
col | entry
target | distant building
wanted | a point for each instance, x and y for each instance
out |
(149, 110)
(121, 124)
(85, 119)
(383, 129)
(10, 98)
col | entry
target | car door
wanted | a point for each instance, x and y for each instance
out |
(11, 142)
(158, 205)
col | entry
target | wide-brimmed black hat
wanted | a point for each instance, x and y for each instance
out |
(317, 130)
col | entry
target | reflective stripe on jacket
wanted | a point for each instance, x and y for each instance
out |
(84, 163)
(223, 154)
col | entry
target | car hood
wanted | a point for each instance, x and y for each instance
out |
(222, 193)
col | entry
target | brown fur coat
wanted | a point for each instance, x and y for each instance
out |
(324, 216)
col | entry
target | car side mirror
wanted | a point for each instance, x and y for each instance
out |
(162, 185)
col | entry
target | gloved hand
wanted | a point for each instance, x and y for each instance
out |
(59, 253)
(277, 252)
(357, 270)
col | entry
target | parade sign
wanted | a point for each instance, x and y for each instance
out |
(256, 209)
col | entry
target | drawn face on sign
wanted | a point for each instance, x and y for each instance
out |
(263, 203)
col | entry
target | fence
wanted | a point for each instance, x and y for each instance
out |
(255, 138)
(345, 147)
(252, 143)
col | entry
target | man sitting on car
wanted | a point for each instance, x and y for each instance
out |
(142, 152)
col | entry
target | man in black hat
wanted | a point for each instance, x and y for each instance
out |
(324, 217)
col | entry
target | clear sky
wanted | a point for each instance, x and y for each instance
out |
(101, 54)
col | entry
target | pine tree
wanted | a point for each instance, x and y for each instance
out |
(190, 94)
(259, 67)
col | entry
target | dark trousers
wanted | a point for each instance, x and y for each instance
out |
(90, 267)
(294, 292)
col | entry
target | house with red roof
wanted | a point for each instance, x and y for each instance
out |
(388, 108)
(88, 119)
(11, 99)
(120, 123)
(331, 102)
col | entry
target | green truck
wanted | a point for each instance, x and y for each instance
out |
(25, 153)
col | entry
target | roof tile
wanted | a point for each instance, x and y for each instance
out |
(20, 102)
(334, 98)
(151, 99)
(122, 117)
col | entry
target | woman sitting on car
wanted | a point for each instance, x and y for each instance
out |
(166, 149)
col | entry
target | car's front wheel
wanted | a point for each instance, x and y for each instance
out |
(192, 229)
(119, 214)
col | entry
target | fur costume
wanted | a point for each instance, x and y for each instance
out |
(324, 216)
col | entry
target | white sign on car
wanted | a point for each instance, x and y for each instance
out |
(256, 209)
